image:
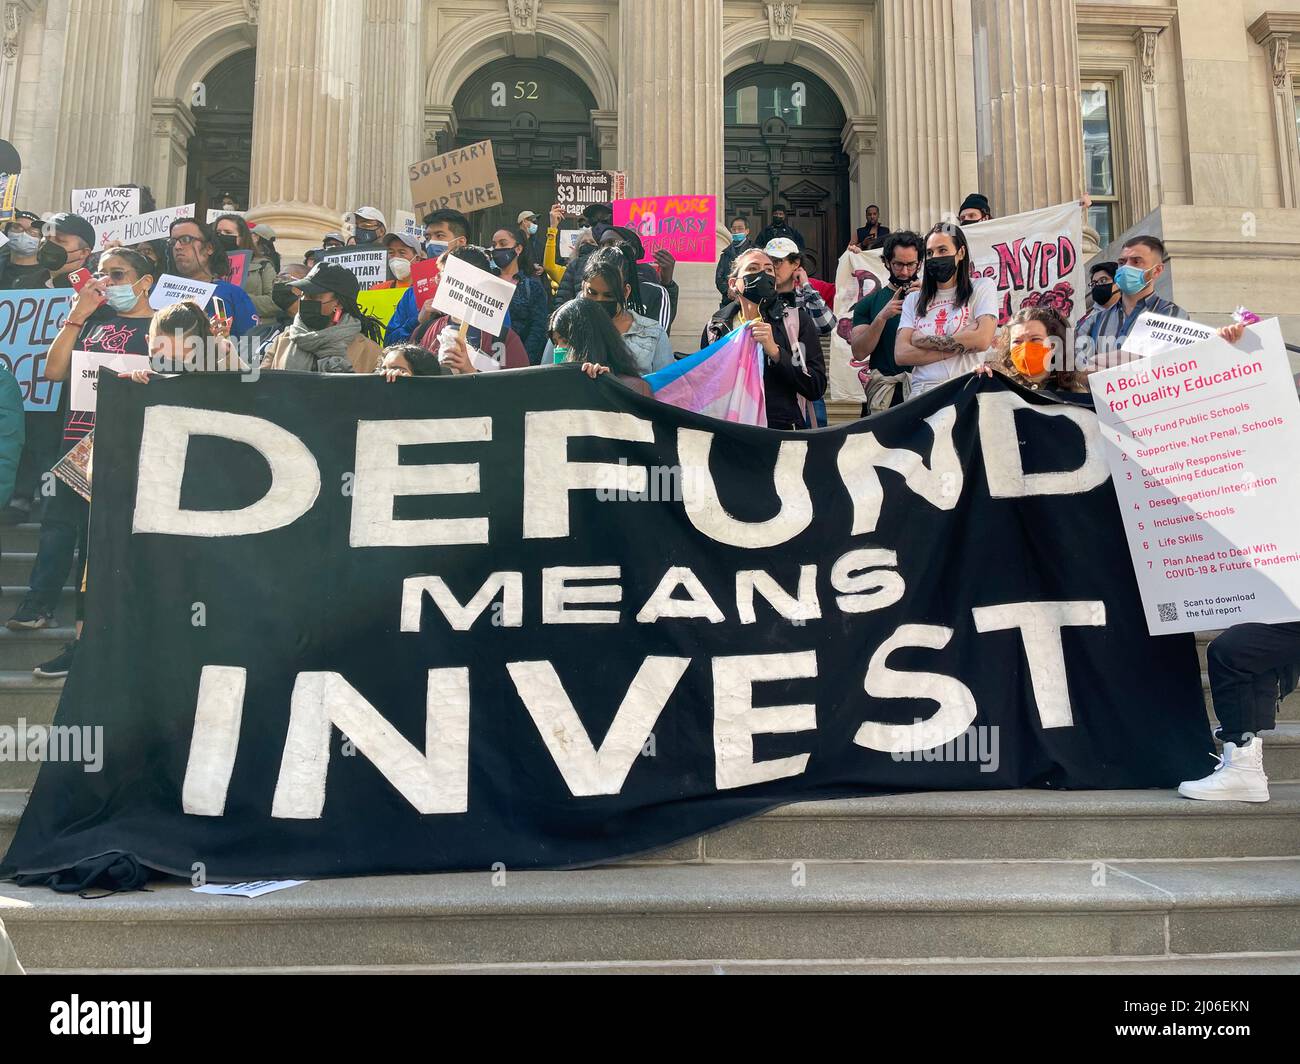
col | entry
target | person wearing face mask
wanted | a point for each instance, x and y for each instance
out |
(1140, 265)
(598, 217)
(975, 208)
(605, 284)
(330, 333)
(875, 326)
(740, 243)
(65, 247)
(650, 298)
(794, 372)
(285, 299)
(330, 241)
(948, 324)
(583, 333)
(795, 287)
(779, 229)
(444, 230)
(403, 251)
(234, 235)
(1031, 350)
(535, 238)
(368, 226)
(479, 352)
(531, 306)
(110, 314)
(1102, 293)
(198, 254)
(22, 270)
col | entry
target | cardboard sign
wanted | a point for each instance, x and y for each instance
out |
(686, 226)
(368, 267)
(1154, 334)
(424, 280)
(473, 297)
(99, 206)
(85, 374)
(156, 225)
(29, 324)
(464, 180)
(239, 261)
(172, 289)
(1201, 443)
(215, 212)
(576, 190)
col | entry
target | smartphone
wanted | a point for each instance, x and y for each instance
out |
(79, 278)
(218, 308)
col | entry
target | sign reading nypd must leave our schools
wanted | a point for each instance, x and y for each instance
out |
(774, 620)
(29, 324)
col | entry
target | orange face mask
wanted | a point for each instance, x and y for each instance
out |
(1031, 357)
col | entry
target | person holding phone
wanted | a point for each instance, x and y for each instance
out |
(111, 314)
(197, 254)
(875, 325)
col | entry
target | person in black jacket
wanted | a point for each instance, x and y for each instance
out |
(794, 374)
(740, 243)
(779, 229)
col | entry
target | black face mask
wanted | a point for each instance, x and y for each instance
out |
(503, 257)
(1102, 293)
(900, 282)
(609, 306)
(51, 256)
(367, 236)
(779, 220)
(309, 313)
(943, 268)
(283, 296)
(230, 243)
(759, 288)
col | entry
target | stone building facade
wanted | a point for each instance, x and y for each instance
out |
(1178, 117)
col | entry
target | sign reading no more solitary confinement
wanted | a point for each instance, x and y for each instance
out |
(785, 617)
(686, 226)
(464, 180)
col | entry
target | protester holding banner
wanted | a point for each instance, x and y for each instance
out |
(875, 326)
(582, 332)
(22, 271)
(198, 255)
(444, 230)
(479, 351)
(111, 314)
(259, 278)
(330, 333)
(1029, 351)
(786, 379)
(1140, 265)
(740, 243)
(531, 307)
(951, 321)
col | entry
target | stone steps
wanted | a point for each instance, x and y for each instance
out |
(834, 912)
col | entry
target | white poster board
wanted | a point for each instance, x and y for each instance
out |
(1155, 334)
(85, 374)
(408, 225)
(156, 225)
(473, 296)
(216, 212)
(102, 205)
(368, 267)
(1202, 444)
(172, 289)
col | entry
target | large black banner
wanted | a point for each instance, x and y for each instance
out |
(339, 626)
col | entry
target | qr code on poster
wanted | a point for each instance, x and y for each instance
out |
(1168, 612)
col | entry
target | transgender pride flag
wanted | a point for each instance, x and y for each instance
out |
(724, 381)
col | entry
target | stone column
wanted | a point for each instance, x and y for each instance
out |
(859, 138)
(305, 116)
(929, 121)
(1277, 46)
(670, 124)
(604, 134)
(392, 104)
(173, 126)
(110, 54)
(1030, 123)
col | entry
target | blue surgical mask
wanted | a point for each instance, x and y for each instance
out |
(1130, 280)
(532, 229)
(435, 249)
(122, 297)
(24, 244)
(738, 238)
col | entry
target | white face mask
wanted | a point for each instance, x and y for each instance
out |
(401, 269)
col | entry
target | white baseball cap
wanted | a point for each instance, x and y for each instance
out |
(781, 248)
(525, 216)
(370, 214)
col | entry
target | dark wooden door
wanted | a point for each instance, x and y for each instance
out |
(221, 149)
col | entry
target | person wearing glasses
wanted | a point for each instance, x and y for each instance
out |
(111, 314)
(875, 326)
(197, 255)
(22, 270)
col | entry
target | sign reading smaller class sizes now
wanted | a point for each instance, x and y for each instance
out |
(1201, 441)
(464, 180)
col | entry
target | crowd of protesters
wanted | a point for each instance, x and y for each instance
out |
(605, 304)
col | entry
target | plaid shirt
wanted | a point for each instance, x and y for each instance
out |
(806, 298)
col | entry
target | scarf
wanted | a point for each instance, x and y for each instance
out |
(320, 352)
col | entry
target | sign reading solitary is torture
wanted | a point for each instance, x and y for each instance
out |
(532, 619)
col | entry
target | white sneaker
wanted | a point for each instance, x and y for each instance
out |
(1238, 777)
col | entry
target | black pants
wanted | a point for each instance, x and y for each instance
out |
(63, 535)
(1245, 667)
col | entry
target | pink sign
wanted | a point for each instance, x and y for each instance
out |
(684, 225)
(238, 266)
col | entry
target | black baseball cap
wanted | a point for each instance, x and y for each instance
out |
(26, 216)
(327, 277)
(75, 225)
